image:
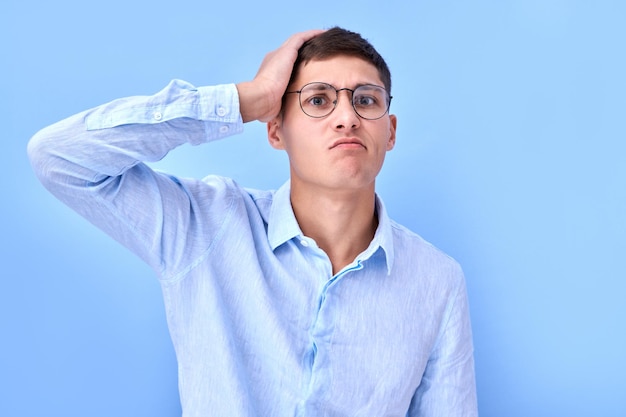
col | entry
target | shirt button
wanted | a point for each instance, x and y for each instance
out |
(304, 243)
(223, 129)
(157, 115)
(221, 111)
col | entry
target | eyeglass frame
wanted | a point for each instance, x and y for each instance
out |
(337, 90)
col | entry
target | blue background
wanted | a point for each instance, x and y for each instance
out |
(510, 157)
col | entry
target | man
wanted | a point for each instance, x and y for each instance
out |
(306, 301)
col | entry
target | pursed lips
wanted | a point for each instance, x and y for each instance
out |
(348, 143)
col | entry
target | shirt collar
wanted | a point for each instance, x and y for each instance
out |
(383, 238)
(283, 226)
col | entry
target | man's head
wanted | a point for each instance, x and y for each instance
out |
(341, 42)
(334, 123)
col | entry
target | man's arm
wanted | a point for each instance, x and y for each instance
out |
(95, 161)
(448, 386)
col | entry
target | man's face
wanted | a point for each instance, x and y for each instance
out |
(341, 150)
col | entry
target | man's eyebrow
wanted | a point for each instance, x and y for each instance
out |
(371, 85)
(357, 85)
(322, 85)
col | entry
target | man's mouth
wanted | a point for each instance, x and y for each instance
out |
(348, 143)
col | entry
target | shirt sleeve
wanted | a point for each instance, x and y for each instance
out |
(94, 162)
(448, 386)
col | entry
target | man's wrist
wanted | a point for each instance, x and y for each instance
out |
(251, 102)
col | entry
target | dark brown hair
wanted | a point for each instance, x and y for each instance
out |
(341, 42)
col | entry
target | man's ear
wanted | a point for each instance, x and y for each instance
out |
(275, 134)
(393, 123)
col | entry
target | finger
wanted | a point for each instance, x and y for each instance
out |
(286, 54)
(298, 39)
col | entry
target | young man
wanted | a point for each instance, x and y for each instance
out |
(306, 301)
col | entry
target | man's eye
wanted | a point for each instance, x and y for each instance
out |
(318, 101)
(365, 101)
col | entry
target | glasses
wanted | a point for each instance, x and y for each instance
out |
(317, 100)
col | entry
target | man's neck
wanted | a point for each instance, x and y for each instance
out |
(342, 222)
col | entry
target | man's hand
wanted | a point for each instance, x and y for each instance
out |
(260, 99)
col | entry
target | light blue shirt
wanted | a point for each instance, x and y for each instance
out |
(260, 325)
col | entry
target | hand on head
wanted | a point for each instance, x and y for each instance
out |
(261, 98)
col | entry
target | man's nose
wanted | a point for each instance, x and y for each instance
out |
(344, 113)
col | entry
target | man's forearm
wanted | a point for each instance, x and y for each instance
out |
(108, 139)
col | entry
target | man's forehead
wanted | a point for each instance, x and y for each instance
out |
(338, 70)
